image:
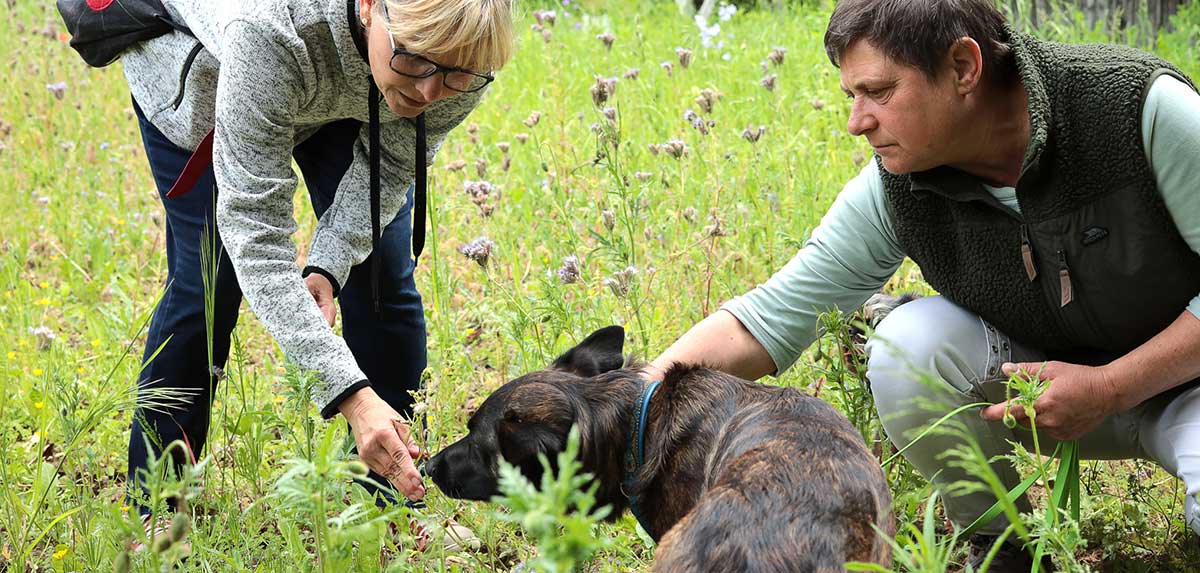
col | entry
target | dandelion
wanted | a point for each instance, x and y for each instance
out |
(631, 73)
(776, 56)
(568, 273)
(608, 218)
(521, 138)
(503, 146)
(726, 11)
(532, 120)
(478, 250)
(769, 82)
(684, 56)
(817, 103)
(456, 165)
(675, 148)
(752, 133)
(607, 39)
(667, 67)
(44, 337)
(59, 89)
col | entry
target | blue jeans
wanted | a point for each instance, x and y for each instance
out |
(389, 346)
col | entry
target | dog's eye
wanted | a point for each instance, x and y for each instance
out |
(514, 417)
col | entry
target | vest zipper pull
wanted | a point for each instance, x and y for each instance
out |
(1027, 254)
(1064, 280)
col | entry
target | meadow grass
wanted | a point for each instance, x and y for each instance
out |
(660, 242)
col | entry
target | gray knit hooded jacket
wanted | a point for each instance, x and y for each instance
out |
(265, 75)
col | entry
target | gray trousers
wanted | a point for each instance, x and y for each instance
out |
(962, 354)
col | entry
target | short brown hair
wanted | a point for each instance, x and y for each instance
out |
(919, 32)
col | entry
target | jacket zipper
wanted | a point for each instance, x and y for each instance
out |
(1027, 253)
(1066, 294)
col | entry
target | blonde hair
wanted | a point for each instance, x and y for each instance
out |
(478, 33)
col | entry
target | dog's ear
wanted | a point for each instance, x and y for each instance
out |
(599, 352)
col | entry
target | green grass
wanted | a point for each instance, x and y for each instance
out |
(81, 256)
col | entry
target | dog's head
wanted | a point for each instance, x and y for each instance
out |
(528, 416)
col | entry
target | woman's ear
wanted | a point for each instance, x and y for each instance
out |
(966, 63)
(364, 12)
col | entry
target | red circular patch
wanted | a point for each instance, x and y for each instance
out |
(98, 5)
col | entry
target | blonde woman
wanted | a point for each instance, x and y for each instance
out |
(360, 94)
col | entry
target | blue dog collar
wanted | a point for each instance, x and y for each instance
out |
(635, 451)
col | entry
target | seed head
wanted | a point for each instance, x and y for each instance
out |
(532, 120)
(752, 133)
(769, 82)
(611, 114)
(478, 250)
(456, 165)
(568, 273)
(607, 39)
(776, 56)
(631, 73)
(817, 103)
(685, 57)
(521, 137)
(603, 89)
(655, 148)
(689, 214)
(667, 67)
(675, 148)
(608, 218)
(858, 158)
(707, 99)
(643, 175)
(546, 36)
(545, 17)
(59, 89)
(716, 228)
(481, 167)
(503, 147)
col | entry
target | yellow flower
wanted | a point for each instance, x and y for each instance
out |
(43, 284)
(96, 343)
(60, 553)
(42, 301)
(279, 398)
(39, 405)
(12, 355)
(80, 370)
(37, 371)
(120, 222)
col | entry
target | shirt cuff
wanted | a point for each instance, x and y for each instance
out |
(337, 288)
(331, 409)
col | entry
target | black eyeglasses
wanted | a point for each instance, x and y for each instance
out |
(419, 67)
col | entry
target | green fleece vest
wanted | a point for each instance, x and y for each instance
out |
(1093, 265)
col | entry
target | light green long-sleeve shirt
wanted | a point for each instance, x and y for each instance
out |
(854, 250)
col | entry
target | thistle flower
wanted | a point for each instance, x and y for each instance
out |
(817, 103)
(568, 273)
(685, 57)
(478, 250)
(456, 165)
(752, 133)
(607, 39)
(621, 280)
(503, 146)
(769, 82)
(521, 137)
(675, 148)
(776, 56)
(608, 218)
(532, 120)
(59, 89)
(631, 73)
(480, 193)
(667, 67)
(698, 123)
(611, 114)
(655, 148)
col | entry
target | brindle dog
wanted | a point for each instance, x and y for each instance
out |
(737, 477)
